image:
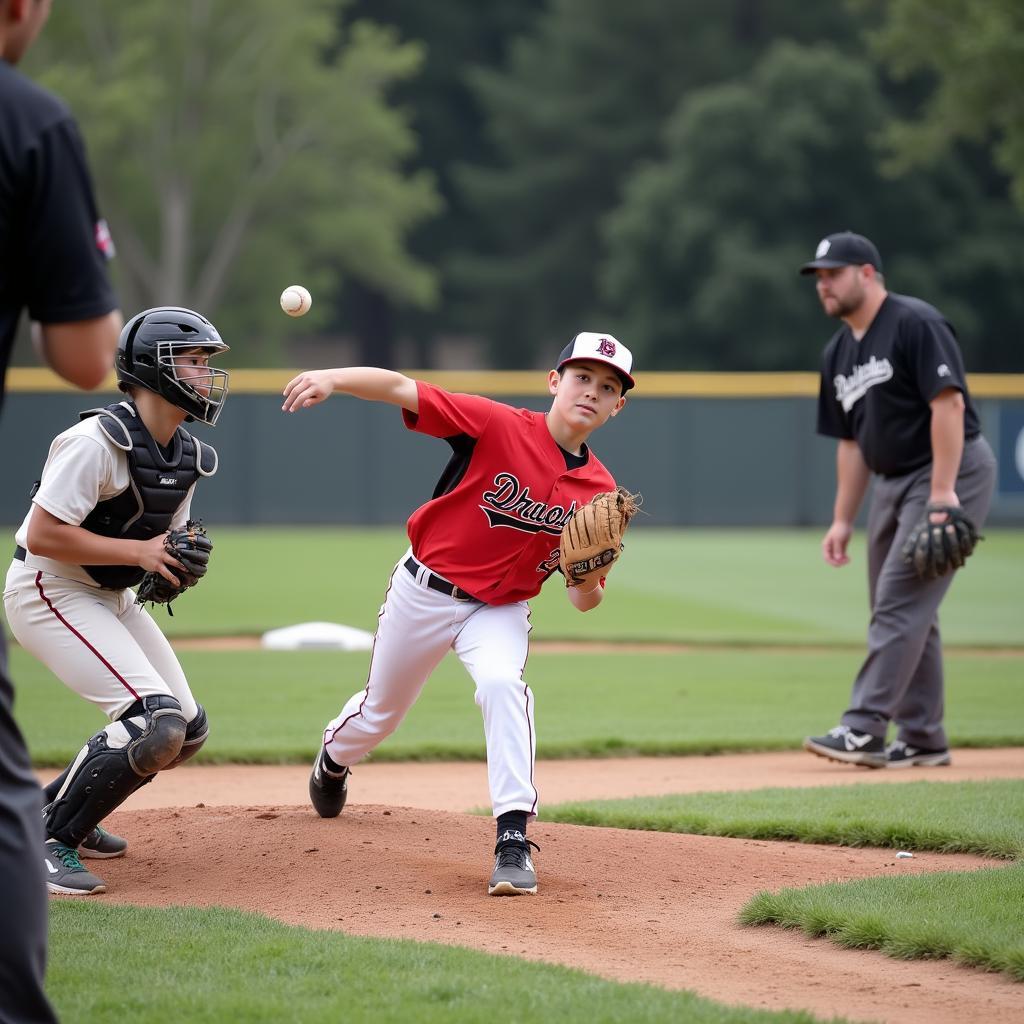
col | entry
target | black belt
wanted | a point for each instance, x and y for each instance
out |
(20, 553)
(436, 583)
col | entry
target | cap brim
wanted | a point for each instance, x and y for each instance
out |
(809, 268)
(626, 379)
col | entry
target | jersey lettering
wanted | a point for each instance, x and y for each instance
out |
(510, 496)
(851, 389)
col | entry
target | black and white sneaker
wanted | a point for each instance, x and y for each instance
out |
(849, 746)
(514, 873)
(65, 874)
(101, 844)
(901, 755)
(328, 790)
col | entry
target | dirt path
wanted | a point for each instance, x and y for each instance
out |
(402, 861)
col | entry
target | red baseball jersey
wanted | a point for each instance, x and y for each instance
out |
(495, 530)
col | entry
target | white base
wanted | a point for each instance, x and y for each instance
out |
(323, 635)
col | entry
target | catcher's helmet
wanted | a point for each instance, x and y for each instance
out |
(147, 354)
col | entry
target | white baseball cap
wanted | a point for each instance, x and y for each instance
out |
(600, 348)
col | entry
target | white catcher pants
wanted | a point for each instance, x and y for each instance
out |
(99, 643)
(417, 626)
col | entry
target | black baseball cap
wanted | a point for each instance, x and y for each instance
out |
(843, 249)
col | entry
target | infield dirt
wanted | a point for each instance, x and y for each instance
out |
(405, 860)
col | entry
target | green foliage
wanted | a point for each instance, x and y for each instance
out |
(581, 100)
(973, 53)
(971, 917)
(216, 966)
(754, 173)
(238, 149)
(986, 818)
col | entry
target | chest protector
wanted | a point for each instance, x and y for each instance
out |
(157, 486)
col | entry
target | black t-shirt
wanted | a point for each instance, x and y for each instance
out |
(876, 390)
(54, 246)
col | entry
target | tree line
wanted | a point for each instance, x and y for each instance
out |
(516, 171)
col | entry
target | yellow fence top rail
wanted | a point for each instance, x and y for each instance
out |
(531, 382)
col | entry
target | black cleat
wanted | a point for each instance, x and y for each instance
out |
(849, 747)
(328, 791)
(902, 755)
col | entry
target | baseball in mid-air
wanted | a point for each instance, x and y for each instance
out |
(296, 300)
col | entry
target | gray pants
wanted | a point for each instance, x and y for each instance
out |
(901, 679)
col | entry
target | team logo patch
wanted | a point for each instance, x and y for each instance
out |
(168, 481)
(606, 348)
(104, 240)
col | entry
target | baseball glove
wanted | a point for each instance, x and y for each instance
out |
(191, 546)
(591, 539)
(934, 549)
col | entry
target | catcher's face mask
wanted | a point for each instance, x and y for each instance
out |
(166, 350)
(189, 382)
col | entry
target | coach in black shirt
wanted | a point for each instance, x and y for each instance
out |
(53, 253)
(894, 393)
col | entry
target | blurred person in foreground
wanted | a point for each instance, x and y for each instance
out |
(54, 249)
(894, 393)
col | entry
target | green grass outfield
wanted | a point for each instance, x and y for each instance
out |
(697, 586)
(271, 706)
(720, 591)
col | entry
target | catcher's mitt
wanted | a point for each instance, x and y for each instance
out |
(591, 540)
(191, 546)
(934, 549)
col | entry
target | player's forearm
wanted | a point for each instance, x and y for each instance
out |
(50, 538)
(81, 352)
(947, 435)
(377, 385)
(852, 478)
(368, 382)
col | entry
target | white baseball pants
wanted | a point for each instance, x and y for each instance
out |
(99, 643)
(417, 626)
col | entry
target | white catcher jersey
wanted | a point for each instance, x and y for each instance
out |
(82, 469)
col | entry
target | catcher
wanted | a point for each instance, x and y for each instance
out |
(515, 504)
(111, 510)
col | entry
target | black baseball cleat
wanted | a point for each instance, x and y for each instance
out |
(849, 747)
(514, 873)
(328, 790)
(902, 755)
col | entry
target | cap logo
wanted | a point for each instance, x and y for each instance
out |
(823, 247)
(606, 348)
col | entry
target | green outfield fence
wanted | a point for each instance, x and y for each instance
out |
(707, 449)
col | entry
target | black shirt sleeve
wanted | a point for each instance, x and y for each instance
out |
(67, 243)
(832, 420)
(933, 356)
